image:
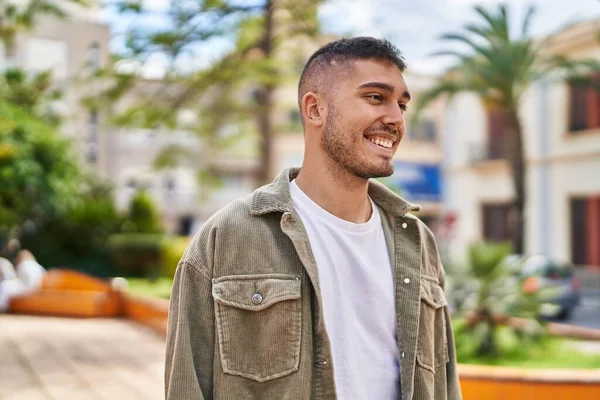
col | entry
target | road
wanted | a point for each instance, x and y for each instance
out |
(587, 314)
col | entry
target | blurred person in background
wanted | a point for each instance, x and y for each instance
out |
(25, 278)
(8, 281)
(321, 285)
(7, 271)
(29, 271)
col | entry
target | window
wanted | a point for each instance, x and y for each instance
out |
(496, 222)
(585, 230)
(92, 129)
(93, 117)
(92, 137)
(170, 184)
(584, 106)
(91, 155)
(47, 54)
(93, 55)
(185, 225)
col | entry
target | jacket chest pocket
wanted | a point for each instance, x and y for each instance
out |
(432, 350)
(258, 320)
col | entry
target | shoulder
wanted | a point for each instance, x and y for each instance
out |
(230, 223)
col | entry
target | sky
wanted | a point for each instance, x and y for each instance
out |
(412, 25)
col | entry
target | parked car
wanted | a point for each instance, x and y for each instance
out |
(555, 282)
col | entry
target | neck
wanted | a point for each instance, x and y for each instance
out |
(337, 191)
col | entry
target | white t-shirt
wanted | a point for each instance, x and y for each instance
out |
(356, 282)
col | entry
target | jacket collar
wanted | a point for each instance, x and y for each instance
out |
(275, 197)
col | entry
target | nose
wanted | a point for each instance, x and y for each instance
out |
(394, 118)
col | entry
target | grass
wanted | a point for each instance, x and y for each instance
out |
(160, 287)
(555, 353)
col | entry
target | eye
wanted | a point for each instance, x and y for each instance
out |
(375, 96)
(402, 106)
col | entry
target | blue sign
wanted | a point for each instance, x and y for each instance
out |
(417, 182)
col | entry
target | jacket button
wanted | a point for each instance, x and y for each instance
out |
(402, 355)
(257, 298)
(406, 280)
(404, 225)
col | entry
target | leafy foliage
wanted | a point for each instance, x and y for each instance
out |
(136, 254)
(33, 94)
(172, 251)
(237, 90)
(37, 169)
(486, 292)
(62, 215)
(143, 215)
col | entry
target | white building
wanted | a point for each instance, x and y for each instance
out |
(561, 126)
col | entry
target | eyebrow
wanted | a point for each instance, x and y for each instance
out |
(383, 86)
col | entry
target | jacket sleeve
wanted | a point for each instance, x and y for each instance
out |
(452, 380)
(190, 336)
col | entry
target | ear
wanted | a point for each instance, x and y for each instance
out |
(313, 109)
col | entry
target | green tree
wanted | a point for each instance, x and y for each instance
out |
(143, 215)
(38, 172)
(235, 93)
(499, 67)
(33, 93)
(46, 202)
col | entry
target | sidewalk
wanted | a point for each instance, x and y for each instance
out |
(67, 359)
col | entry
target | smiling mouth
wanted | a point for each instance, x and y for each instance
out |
(381, 142)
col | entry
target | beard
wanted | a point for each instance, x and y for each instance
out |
(341, 147)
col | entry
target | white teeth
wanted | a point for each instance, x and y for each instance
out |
(382, 142)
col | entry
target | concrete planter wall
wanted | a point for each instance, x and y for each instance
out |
(150, 312)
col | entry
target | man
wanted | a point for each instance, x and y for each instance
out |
(320, 285)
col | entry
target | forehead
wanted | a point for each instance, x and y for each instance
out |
(365, 71)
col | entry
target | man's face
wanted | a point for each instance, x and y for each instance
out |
(365, 121)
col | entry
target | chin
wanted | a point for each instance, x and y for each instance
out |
(375, 172)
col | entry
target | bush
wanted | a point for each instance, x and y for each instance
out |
(486, 293)
(172, 251)
(143, 215)
(137, 254)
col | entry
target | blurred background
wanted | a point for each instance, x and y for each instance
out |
(124, 125)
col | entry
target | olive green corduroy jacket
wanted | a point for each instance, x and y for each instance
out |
(246, 319)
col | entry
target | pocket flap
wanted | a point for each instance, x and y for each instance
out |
(433, 294)
(255, 292)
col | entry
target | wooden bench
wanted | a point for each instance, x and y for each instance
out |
(70, 294)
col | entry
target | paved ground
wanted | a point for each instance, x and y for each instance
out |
(54, 358)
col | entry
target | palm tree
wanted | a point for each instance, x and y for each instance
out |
(500, 68)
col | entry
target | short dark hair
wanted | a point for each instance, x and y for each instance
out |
(340, 52)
